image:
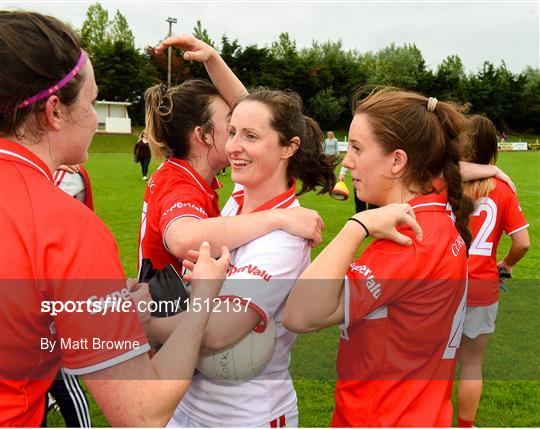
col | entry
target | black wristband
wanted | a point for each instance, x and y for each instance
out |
(361, 224)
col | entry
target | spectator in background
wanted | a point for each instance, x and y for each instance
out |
(142, 154)
(331, 144)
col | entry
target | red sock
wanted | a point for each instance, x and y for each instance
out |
(465, 423)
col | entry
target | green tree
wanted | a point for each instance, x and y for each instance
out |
(327, 107)
(531, 98)
(400, 66)
(284, 48)
(200, 33)
(122, 72)
(120, 31)
(450, 79)
(95, 29)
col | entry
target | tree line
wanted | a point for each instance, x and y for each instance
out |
(324, 74)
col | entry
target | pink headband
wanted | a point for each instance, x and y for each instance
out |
(63, 82)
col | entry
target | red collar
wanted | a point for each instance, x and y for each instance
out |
(17, 153)
(429, 203)
(196, 177)
(281, 201)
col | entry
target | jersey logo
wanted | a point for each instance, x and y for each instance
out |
(151, 185)
(457, 245)
(180, 205)
(250, 269)
(372, 285)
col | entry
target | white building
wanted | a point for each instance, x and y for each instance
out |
(113, 117)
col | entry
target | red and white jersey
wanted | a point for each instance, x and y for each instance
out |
(404, 309)
(263, 270)
(75, 184)
(174, 191)
(498, 212)
(54, 249)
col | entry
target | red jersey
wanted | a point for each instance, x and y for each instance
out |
(174, 191)
(498, 212)
(404, 310)
(54, 249)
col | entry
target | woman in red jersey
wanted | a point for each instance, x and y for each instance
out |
(400, 308)
(58, 254)
(187, 125)
(497, 211)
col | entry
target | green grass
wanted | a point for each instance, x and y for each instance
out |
(512, 385)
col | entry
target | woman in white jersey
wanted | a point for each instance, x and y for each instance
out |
(271, 143)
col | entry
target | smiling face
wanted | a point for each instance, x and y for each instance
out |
(370, 166)
(256, 156)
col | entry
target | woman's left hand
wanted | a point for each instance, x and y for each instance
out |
(194, 49)
(382, 222)
(69, 168)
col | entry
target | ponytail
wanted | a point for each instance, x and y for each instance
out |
(462, 205)
(310, 164)
(453, 124)
(172, 114)
(157, 112)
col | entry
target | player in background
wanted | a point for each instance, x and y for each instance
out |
(400, 308)
(57, 250)
(187, 125)
(497, 210)
(75, 181)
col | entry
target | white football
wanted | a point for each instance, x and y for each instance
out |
(244, 360)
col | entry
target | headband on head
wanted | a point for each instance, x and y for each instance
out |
(60, 84)
(431, 103)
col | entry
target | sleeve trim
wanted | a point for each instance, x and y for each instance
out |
(518, 229)
(261, 327)
(169, 224)
(110, 362)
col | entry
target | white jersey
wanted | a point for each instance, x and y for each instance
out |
(71, 183)
(264, 270)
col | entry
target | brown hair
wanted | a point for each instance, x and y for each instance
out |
(173, 113)
(483, 150)
(433, 140)
(309, 163)
(36, 51)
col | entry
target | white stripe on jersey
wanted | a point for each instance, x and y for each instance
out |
(518, 229)
(33, 164)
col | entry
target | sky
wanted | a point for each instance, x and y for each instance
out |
(477, 31)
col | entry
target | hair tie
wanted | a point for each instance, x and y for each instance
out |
(431, 103)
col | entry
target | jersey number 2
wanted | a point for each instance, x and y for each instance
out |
(454, 338)
(480, 245)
